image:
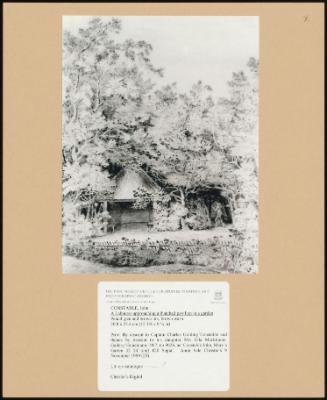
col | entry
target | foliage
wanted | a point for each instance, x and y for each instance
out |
(105, 111)
(241, 122)
(116, 115)
(184, 137)
(199, 217)
(166, 218)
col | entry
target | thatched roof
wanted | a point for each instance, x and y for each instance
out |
(129, 180)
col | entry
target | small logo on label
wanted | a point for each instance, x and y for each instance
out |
(218, 295)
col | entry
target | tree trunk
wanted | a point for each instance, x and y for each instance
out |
(183, 225)
(182, 219)
(182, 198)
(89, 212)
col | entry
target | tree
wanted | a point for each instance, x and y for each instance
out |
(188, 159)
(239, 118)
(106, 110)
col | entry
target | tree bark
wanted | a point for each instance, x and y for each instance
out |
(182, 219)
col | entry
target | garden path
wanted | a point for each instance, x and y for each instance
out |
(181, 235)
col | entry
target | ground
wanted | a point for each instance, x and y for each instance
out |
(72, 265)
(177, 235)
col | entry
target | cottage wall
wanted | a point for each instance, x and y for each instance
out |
(125, 217)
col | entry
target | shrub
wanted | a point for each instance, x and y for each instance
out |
(214, 252)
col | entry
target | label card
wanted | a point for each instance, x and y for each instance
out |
(163, 336)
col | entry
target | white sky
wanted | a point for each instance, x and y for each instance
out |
(190, 49)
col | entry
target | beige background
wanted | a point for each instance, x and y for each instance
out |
(50, 329)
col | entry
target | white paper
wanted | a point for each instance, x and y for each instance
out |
(163, 336)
